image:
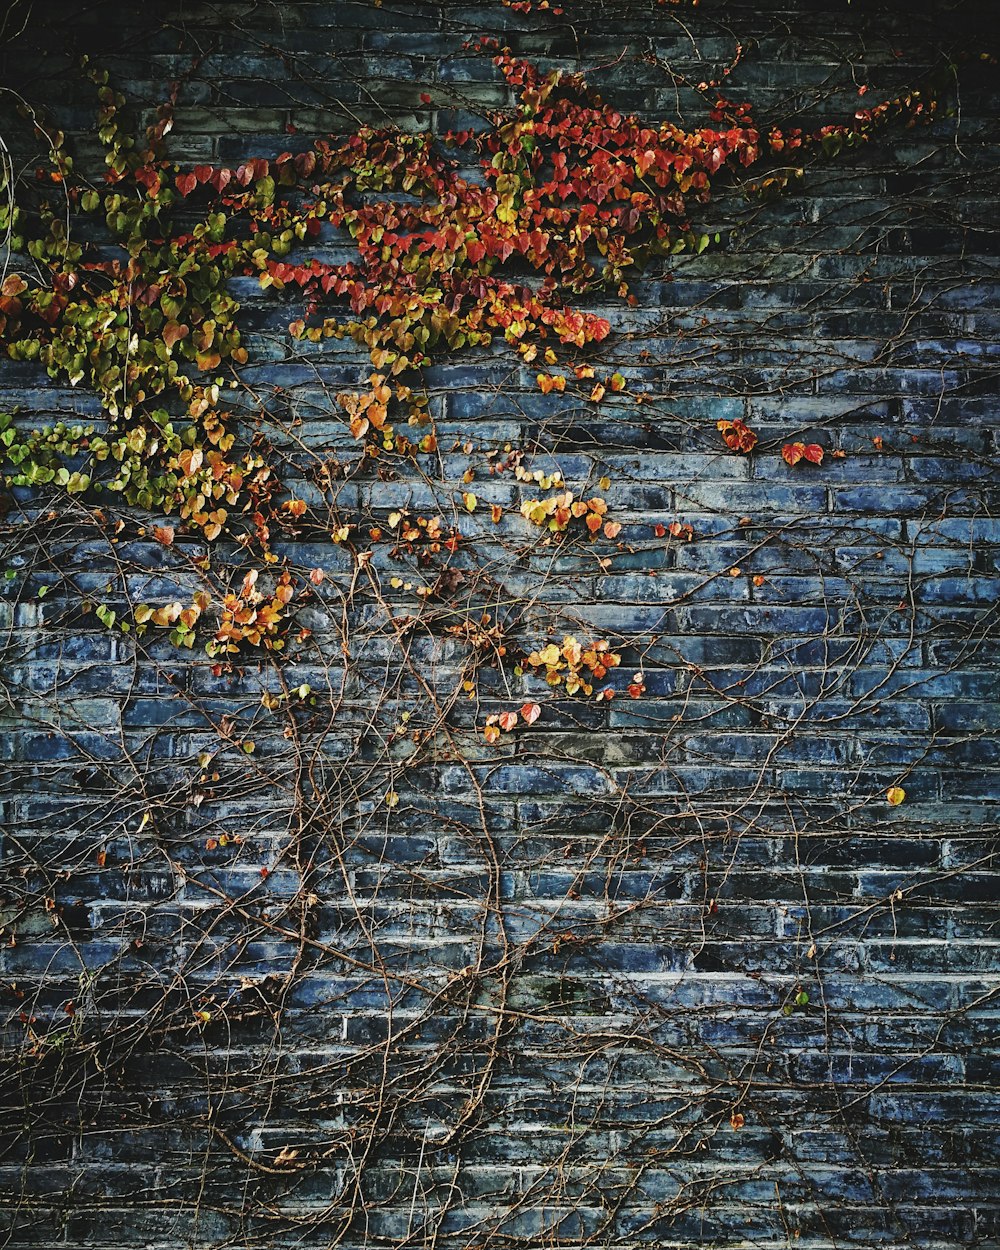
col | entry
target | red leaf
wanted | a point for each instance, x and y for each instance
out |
(530, 712)
(814, 453)
(737, 435)
(507, 721)
(172, 332)
(186, 183)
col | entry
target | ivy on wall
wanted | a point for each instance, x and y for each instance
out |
(571, 191)
(452, 735)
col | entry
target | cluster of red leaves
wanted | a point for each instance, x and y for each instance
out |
(737, 435)
(504, 722)
(792, 453)
(676, 529)
(575, 190)
(250, 616)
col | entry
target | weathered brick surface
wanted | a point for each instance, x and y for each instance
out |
(521, 1007)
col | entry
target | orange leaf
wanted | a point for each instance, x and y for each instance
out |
(530, 712)
(792, 453)
(612, 529)
(190, 460)
(593, 522)
(507, 721)
(163, 534)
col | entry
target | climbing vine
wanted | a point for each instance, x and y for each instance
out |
(574, 191)
(470, 683)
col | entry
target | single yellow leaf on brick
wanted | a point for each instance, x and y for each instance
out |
(895, 795)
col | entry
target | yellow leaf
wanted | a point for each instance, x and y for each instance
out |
(895, 795)
(470, 501)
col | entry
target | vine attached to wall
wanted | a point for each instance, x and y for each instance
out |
(421, 717)
(572, 191)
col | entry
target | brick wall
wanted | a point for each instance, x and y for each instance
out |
(663, 971)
